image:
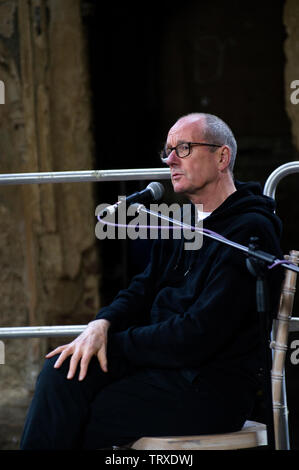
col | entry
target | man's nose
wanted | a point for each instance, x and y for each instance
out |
(172, 158)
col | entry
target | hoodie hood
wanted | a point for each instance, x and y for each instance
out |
(234, 215)
(248, 198)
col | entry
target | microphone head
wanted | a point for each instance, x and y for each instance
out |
(157, 190)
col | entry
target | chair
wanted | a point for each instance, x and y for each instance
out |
(253, 434)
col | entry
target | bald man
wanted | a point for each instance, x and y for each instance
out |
(178, 351)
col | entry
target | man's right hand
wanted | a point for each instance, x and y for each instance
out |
(91, 342)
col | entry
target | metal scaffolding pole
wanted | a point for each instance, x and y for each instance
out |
(85, 176)
(41, 331)
(277, 175)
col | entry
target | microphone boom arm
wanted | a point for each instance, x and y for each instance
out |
(250, 251)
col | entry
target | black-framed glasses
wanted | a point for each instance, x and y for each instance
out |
(183, 150)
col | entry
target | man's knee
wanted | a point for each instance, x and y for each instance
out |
(49, 373)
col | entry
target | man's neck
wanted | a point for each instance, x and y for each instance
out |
(213, 196)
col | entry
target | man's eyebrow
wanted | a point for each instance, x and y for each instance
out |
(178, 143)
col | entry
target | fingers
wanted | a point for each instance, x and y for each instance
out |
(85, 360)
(73, 365)
(82, 349)
(84, 366)
(77, 355)
(56, 351)
(64, 351)
(102, 358)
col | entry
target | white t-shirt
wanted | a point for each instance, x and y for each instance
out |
(202, 215)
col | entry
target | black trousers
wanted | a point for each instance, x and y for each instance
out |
(118, 407)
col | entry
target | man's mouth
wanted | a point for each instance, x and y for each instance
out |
(176, 175)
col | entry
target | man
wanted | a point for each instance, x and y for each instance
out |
(178, 351)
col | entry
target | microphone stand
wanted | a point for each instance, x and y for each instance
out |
(257, 263)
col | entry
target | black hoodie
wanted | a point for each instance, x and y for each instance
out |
(196, 310)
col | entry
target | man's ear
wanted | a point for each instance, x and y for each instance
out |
(224, 157)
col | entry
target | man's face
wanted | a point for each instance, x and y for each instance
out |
(190, 175)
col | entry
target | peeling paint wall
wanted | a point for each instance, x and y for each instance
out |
(49, 263)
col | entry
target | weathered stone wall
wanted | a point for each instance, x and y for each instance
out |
(291, 21)
(49, 265)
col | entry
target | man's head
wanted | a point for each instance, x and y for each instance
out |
(200, 151)
(218, 132)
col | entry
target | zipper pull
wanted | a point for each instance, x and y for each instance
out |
(188, 270)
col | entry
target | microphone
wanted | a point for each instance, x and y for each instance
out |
(153, 192)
